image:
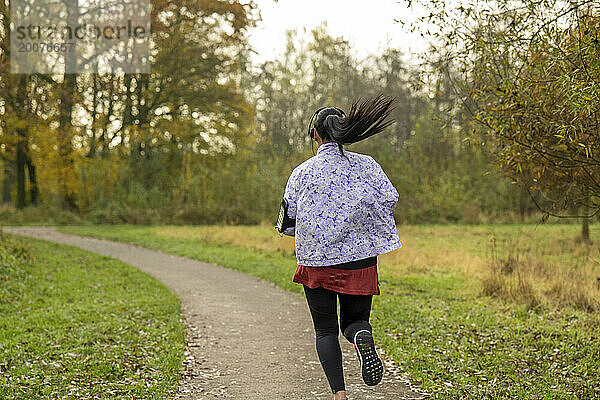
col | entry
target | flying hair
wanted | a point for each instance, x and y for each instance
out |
(365, 119)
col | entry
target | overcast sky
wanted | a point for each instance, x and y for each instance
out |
(368, 26)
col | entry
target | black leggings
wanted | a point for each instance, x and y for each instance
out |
(354, 316)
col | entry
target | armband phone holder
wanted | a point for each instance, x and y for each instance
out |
(283, 220)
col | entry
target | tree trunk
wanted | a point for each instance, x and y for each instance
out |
(20, 133)
(523, 202)
(33, 187)
(92, 151)
(67, 201)
(104, 140)
(9, 176)
(127, 118)
(67, 101)
(585, 225)
(20, 161)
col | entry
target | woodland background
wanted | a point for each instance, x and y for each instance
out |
(208, 138)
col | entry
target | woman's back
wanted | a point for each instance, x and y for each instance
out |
(343, 206)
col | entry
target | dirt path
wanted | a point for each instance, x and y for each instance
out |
(247, 339)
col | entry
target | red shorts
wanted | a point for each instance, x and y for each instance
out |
(349, 281)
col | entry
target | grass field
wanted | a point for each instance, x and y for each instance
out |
(76, 325)
(435, 316)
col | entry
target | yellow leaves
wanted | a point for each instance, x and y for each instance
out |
(20, 124)
(588, 150)
(65, 170)
(518, 168)
(14, 122)
(561, 147)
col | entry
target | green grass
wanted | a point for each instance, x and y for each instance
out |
(450, 339)
(77, 325)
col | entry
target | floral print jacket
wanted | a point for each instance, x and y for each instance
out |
(343, 206)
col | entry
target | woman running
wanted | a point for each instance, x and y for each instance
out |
(339, 205)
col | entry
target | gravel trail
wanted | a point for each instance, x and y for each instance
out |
(247, 339)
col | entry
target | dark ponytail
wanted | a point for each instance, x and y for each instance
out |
(364, 120)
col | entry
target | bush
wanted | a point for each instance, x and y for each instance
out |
(41, 214)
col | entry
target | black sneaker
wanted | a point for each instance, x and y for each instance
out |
(370, 363)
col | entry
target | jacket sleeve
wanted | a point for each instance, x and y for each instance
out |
(389, 194)
(290, 195)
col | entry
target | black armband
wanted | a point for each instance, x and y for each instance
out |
(283, 220)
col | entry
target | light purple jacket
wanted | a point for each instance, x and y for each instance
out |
(344, 208)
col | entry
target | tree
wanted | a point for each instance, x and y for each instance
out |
(134, 130)
(530, 76)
